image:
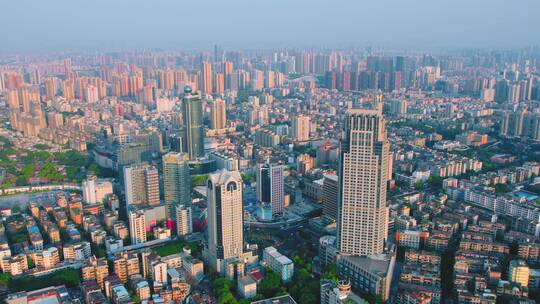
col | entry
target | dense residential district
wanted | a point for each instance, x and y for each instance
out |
(285, 176)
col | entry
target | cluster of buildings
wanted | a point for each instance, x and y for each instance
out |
(395, 152)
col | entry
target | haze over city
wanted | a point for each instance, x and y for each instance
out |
(60, 25)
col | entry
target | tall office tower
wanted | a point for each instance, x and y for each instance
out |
(225, 218)
(270, 186)
(193, 120)
(363, 173)
(176, 181)
(300, 128)
(218, 114)
(206, 78)
(137, 226)
(141, 185)
(184, 222)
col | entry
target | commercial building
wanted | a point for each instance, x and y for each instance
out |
(193, 120)
(362, 212)
(225, 219)
(176, 181)
(330, 193)
(270, 186)
(371, 275)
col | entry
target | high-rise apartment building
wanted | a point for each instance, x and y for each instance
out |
(137, 226)
(270, 186)
(218, 114)
(225, 218)
(363, 174)
(184, 222)
(193, 120)
(125, 265)
(300, 128)
(521, 123)
(206, 78)
(141, 185)
(176, 181)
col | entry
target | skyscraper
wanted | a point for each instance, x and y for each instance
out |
(176, 181)
(218, 114)
(363, 173)
(193, 120)
(206, 78)
(141, 185)
(225, 218)
(300, 128)
(270, 186)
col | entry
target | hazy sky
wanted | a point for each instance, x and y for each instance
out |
(41, 25)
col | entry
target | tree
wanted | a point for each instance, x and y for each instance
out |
(419, 185)
(436, 182)
(271, 284)
(15, 209)
(502, 188)
(49, 171)
(198, 180)
(331, 273)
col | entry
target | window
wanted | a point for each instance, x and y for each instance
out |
(231, 186)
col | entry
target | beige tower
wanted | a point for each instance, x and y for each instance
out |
(300, 128)
(206, 78)
(362, 212)
(218, 114)
(225, 218)
(137, 226)
(141, 185)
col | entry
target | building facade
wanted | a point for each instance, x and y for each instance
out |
(362, 211)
